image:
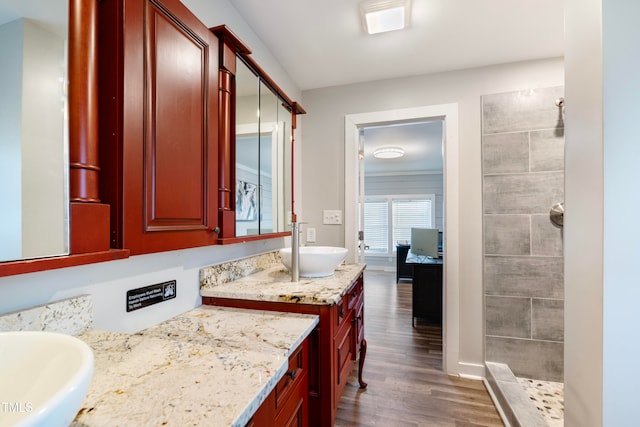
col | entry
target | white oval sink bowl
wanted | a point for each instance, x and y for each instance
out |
(44, 378)
(315, 261)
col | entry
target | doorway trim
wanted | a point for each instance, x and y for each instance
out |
(451, 295)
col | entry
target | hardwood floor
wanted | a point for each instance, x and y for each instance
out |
(403, 368)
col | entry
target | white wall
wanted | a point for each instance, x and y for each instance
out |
(621, 347)
(583, 230)
(602, 228)
(108, 282)
(323, 157)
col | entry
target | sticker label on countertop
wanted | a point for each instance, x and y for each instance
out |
(149, 295)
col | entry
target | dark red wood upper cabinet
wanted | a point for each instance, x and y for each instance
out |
(158, 91)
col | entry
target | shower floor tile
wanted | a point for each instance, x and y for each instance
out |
(548, 397)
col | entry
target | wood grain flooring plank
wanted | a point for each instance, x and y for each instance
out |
(407, 386)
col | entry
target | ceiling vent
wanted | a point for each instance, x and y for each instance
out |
(380, 16)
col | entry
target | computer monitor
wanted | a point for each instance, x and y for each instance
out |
(424, 241)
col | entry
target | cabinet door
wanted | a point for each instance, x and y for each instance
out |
(427, 292)
(167, 104)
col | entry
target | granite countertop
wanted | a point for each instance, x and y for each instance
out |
(209, 366)
(274, 284)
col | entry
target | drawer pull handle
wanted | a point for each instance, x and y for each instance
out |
(292, 373)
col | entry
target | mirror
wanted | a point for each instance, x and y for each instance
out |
(33, 129)
(262, 156)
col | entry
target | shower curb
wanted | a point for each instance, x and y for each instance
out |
(513, 402)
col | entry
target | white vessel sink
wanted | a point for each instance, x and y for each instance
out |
(315, 261)
(44, 377)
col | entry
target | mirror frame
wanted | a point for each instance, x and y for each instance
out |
(88, 218)
(231, 47)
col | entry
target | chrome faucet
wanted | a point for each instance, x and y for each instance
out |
(295, 249)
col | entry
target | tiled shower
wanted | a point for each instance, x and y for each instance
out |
(523, 177)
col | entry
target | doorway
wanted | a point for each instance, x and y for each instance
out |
(448, 113)
(400, 186)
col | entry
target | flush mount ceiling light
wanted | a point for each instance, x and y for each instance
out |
(379, 16)
(388, 153)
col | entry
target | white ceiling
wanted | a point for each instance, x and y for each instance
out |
(322, 44)
(422, 143)
(50, 14)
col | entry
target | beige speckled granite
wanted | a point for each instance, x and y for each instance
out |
(71, 316)
(211, 366)
(233, 270)
(274, 284)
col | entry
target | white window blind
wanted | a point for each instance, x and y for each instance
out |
(376, 226)
(389, 219)
(408, 213)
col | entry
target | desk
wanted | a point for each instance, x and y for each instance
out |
(403, 271)
(426, 288)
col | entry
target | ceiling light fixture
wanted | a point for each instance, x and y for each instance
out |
(388, 153)
(379, 16)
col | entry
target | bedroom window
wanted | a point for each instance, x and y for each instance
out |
(389, 219)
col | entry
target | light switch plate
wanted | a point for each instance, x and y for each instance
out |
(311, 235)
(332, 217)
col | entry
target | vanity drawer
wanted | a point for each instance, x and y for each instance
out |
(341, 310)
(288, 403)
(355, 293)
(296, 373)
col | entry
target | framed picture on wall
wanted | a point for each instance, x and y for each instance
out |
(246, 201)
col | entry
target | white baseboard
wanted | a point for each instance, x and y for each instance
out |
(473, 371)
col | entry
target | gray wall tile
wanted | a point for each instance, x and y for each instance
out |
(521, 111)
(505, 153)
(522, 193)
(541, 277)
(508, 316)
(542, 360)
(546, 238)
(547, 150)
(547, 319)
(507, 234)
(523, 176)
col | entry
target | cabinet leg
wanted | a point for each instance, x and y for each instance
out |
(363, 354)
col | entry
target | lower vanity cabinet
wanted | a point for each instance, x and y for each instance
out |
(333, 349)
(287, 405)
(343, 349)
(358, 343)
